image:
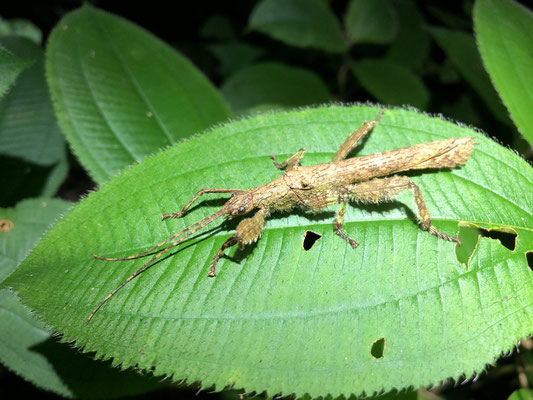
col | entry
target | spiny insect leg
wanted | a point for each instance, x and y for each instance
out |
(385, 189)
(355, 137)
(200, 192)
(339, 221)
(248, 231)
(290, 162)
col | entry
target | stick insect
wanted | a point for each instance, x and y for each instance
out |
(365, 179)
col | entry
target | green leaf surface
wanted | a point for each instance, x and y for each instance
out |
(10, 68)
(28, 126)
(273, 84)
(371, 21)
(504, 33)
(277, 317)
(460, 47)
(120, 94)
(234, 56)
(521, 394)
(411, 45)
(33, 159)
(219, 28)
(301, 23)
(21, 27)
(27, 346)
(31, 351)
(391, 83)
(29, 220)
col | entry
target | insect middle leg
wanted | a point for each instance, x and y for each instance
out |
(385, 189)
(248, 231)
(355, 137)
(181, 213)
(290, 162)
(339, 221)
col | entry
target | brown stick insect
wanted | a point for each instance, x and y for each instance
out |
(366, 179)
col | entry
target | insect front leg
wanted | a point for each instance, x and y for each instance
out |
(248, 231)
(355, 137)
(290, 162)
(200, 192)
(385, 189)
(339, 221)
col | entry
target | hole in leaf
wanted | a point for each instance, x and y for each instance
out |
(469, 236)
(378, 348)
(309, 240)
(529, 259)
(508, 239)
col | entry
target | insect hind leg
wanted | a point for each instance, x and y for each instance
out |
(385, 189)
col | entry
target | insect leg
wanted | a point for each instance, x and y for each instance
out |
(339, 221)
(355, 137)
(248, 231)
(290, 162)
(200, 192)
(385, 189)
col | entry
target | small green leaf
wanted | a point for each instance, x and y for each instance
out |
(521, 394)
(504, 32)
(391, 83)
(411, 45)
(301, 23)
(218, 27)
(371, 21)
(273, 84)
(22, 28)
(27, 346)
(28, 126)
(460, 47)
(10, 68)
(120, 94)
(235, 55)
(275, 310)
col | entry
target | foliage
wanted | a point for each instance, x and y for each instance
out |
(403, 310)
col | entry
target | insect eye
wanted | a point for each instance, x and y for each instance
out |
(242, 209)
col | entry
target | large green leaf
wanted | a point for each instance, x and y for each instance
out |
(120, 93)
(302, 23)
(27, 346)
(277, 317)
(273, 84)
(504, 32)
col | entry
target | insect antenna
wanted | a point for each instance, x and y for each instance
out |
(139, 255)
(191, 230)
